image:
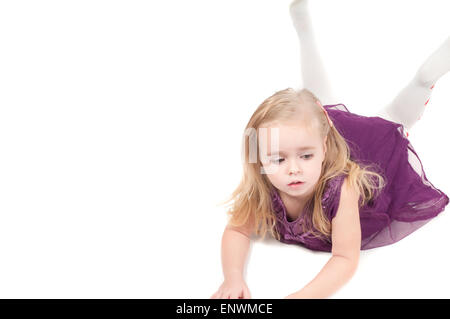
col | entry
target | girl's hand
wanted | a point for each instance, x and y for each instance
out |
(292, 296)
(232, 289)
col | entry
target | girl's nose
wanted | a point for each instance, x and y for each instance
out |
(294, 168)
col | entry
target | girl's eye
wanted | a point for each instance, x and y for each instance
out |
(278, 161)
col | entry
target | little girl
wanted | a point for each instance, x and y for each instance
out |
(326, 178)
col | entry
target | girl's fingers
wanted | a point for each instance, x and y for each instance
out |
(247, 293)
(244, 293)
(216, 295)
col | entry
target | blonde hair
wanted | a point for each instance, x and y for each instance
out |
(251, 200)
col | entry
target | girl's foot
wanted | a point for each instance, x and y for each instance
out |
(436, 65)
(300, 14)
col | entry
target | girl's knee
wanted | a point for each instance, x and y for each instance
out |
(424, 77)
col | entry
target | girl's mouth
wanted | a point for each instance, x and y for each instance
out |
(296, 184)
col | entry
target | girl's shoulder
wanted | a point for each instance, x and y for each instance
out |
(332, 186)
(332, 194)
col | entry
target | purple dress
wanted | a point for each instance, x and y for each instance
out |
(407, 202)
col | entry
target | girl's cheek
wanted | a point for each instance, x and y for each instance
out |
(272, 169)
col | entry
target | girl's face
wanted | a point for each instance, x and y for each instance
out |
(299, 158)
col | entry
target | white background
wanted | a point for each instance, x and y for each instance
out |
(120, 132)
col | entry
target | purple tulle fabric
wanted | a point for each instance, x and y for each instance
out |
(407, 202)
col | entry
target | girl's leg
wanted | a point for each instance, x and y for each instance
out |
(312, 70)
(409, 105)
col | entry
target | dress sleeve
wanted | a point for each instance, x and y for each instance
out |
(331, 196)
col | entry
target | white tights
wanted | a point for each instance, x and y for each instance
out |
(406, 108)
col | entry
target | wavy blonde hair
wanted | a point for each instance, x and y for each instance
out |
(251, 200)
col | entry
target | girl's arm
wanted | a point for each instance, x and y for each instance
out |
(235, 245)
(346, 245)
